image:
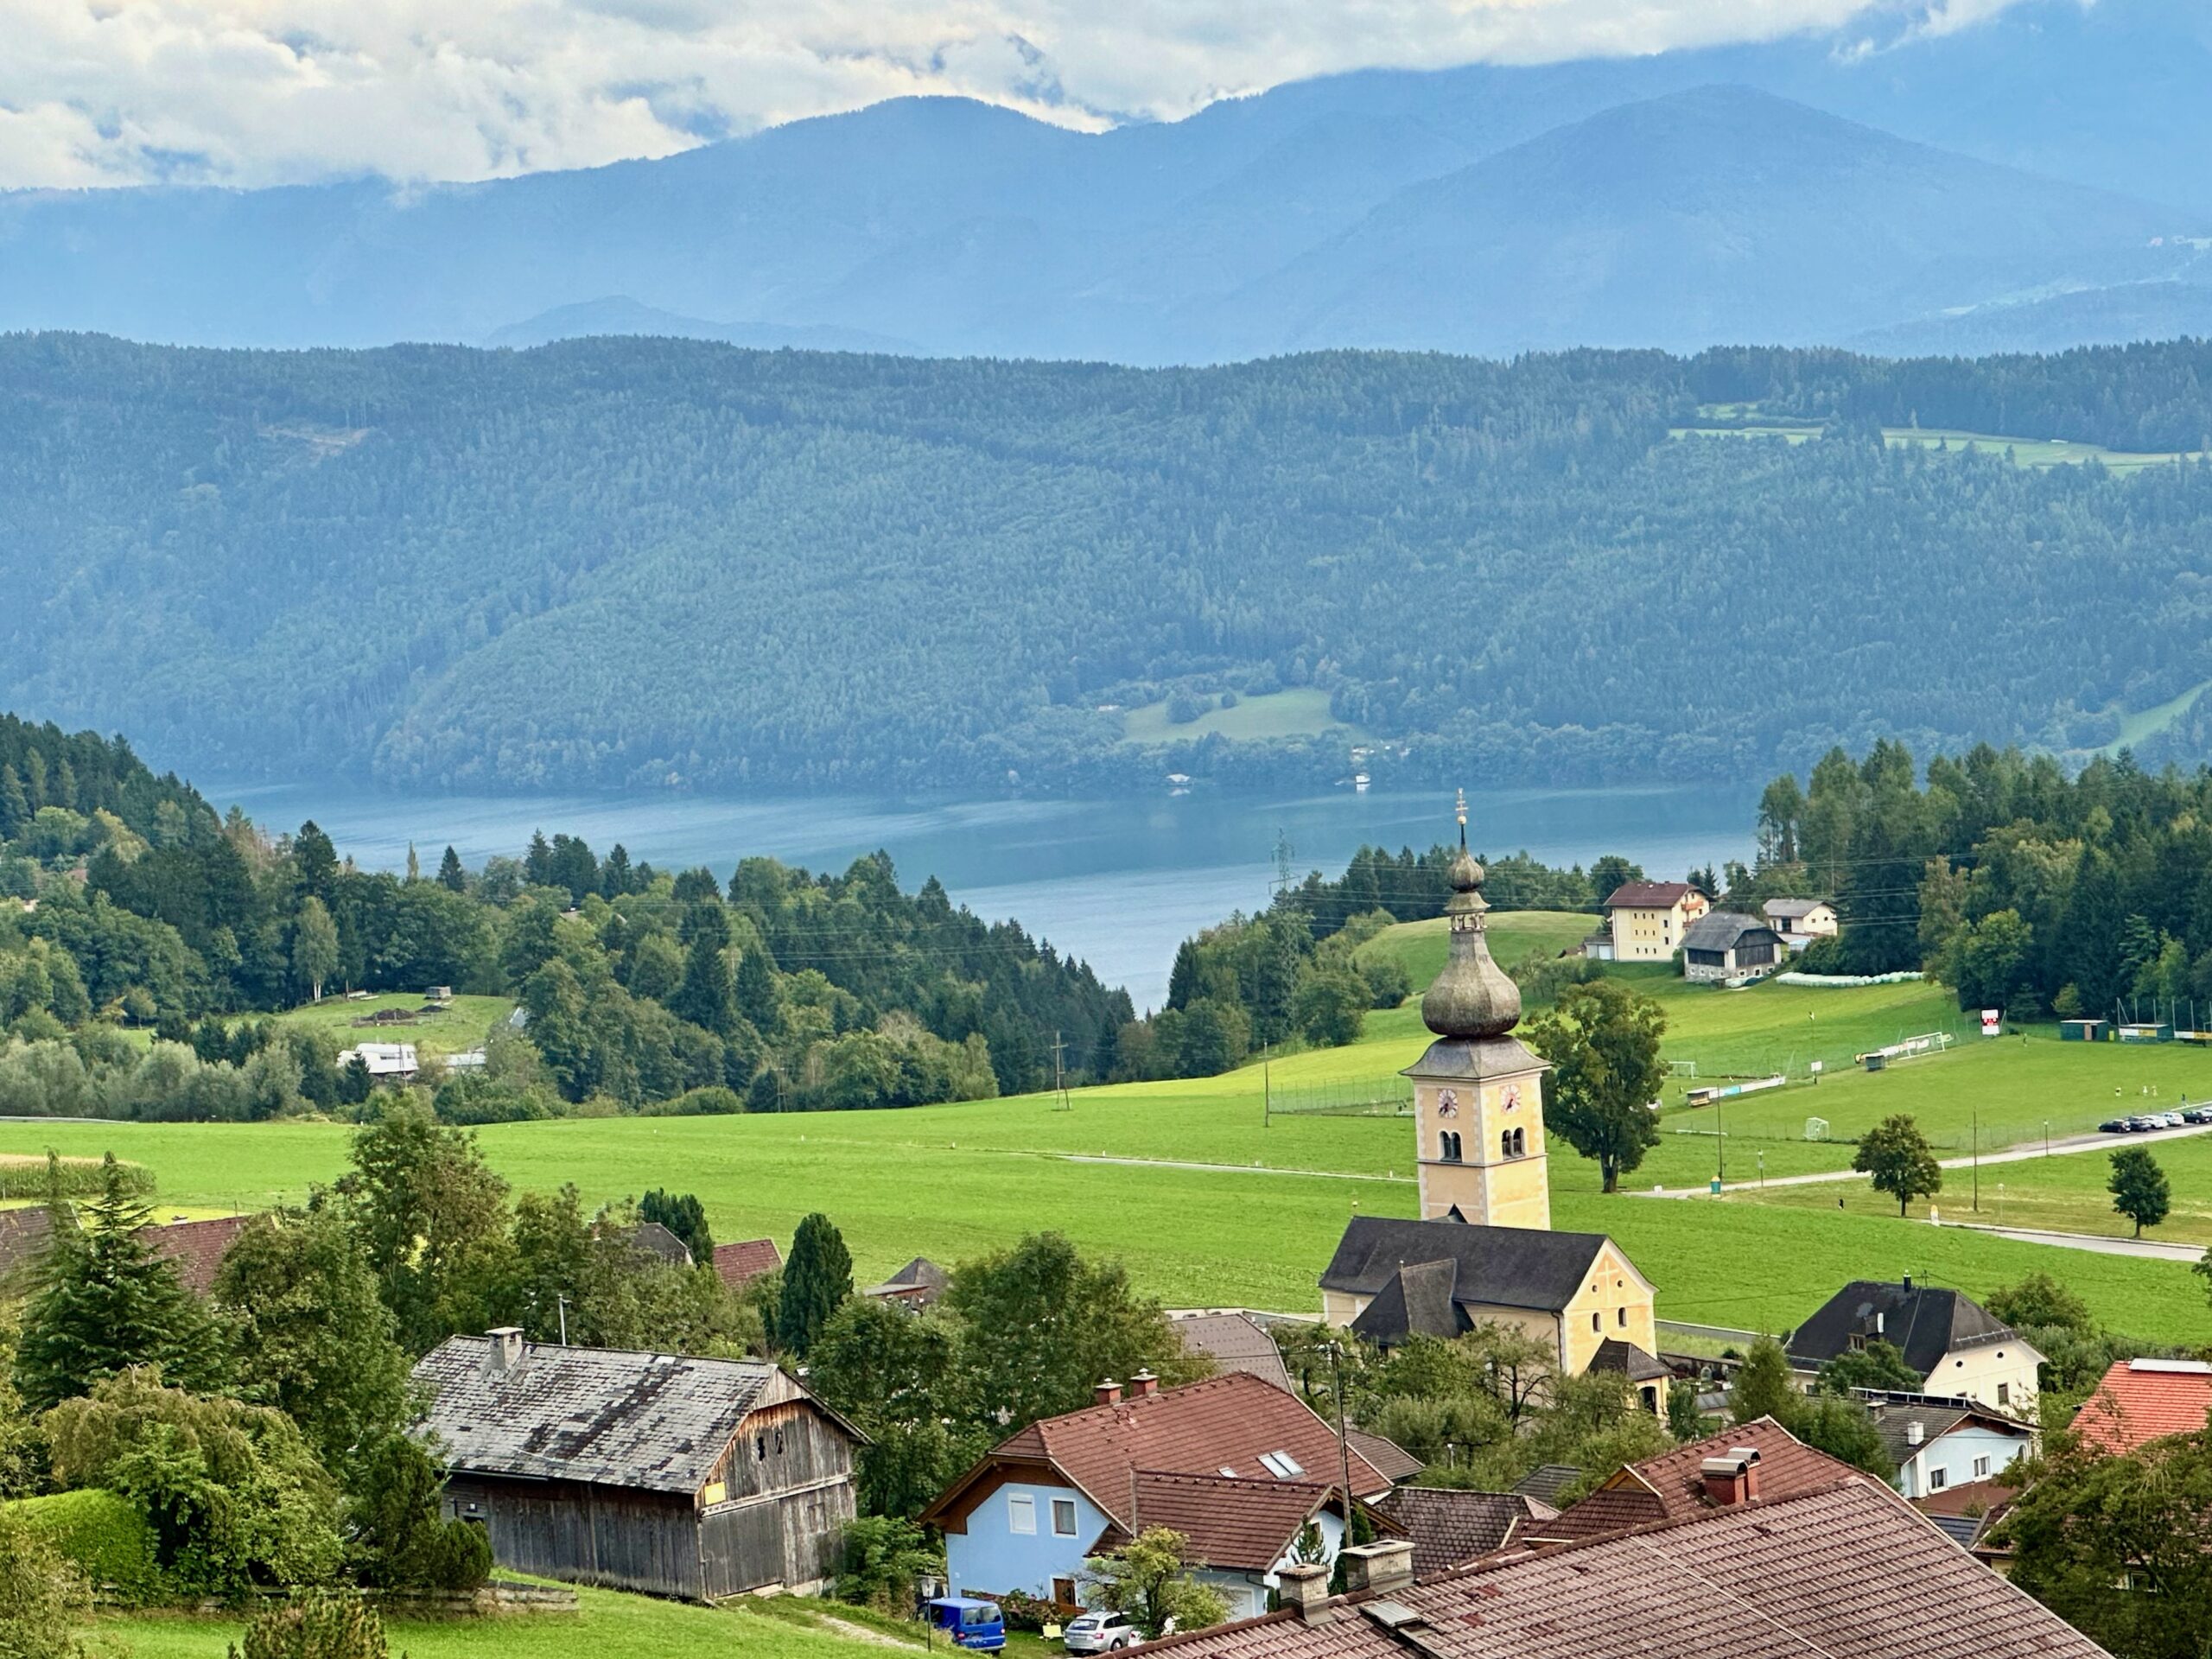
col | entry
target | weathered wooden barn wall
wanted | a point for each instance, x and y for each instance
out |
(597, 1535)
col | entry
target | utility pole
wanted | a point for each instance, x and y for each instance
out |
(1977, 1161)
(562, 1302)
(1343, 1447)
(1267, 1089)
(1059, 1075)
(1720, 1140)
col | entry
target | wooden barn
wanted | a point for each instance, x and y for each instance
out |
(678, 1477)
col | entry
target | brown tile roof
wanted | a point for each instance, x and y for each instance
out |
(1245, 1526)
(1670, 1487)
(23, 1235)
(1450, 1528)
(1849, 1573)
(1648, 895)
(1235, 1341)
(196, 1247)
(741, 1263)
(2143, 1400)
(1221, 1424)
(1390, 1459)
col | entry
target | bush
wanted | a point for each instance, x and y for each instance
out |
(1387, 982)
(401, 1542)
(1182, 707)
(884, 1556)
(41, 1597)
(105, 1537)
(1023, 1612)
(714, 1101)
(340, 1626)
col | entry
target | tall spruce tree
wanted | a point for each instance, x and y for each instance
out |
(817, 1279)
(451, 876)
(106, 1299)
(756, 989)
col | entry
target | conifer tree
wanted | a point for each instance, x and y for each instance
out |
(817, 1279)
(706, 997)
(451, 876)
(756, 989)
(15, 805)
(107, 1300)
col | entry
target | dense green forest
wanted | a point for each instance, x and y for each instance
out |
(653, 563)
(129, 904)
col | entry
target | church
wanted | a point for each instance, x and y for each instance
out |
(1484, 1249)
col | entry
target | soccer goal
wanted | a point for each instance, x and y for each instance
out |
(1681, 1068)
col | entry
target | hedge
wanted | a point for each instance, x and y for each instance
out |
(107, 1537)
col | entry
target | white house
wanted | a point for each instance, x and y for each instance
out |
(383, 1059)
(1800, 921)
(1961, 1350)
(1937, 1446)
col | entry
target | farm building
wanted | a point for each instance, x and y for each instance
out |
(1800, 921)
(1647, 919)
(1729, 945)
(694, 1478)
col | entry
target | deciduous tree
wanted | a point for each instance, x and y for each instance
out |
(1602, 1040)
(1898, 1160)
(2139, 1188)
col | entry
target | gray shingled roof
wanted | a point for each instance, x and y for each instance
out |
(1505, 1267)
(1721, 929)
(605, 1416)
(1451, 1527)
(1792, 908)
(1923, 1322)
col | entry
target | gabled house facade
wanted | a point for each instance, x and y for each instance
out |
(1647, 919)
(1800, 921)
(1232, 1459)
(1728, 946)
(1961, 1350)
(1937, 1445)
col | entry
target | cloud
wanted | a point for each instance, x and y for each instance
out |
(261, 92)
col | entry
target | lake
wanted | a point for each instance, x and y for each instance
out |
(1118, 883)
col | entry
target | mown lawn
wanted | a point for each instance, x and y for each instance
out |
(1300, 711)
(607, 1623)
(952, 1181)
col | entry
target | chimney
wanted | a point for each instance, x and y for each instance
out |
(1108, 1393)
(1735, 1479)
(505, 1352)
(1384, 1567)
(1914, 1432)
(1303, 1589)
(1143, 1386)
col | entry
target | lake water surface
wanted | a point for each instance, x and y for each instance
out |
(1118, 883)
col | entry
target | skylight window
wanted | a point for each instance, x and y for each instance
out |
(1282, 1464)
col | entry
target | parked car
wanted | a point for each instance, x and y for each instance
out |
(1100, 1632)
(2142, 1122)
(2113, 1126)
(2198, 1114)
(978, 1626)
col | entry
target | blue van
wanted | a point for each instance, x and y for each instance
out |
(975, 1625)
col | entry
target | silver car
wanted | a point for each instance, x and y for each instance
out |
(1100, 1632)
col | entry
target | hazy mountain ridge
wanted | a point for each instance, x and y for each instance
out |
(1328, 213)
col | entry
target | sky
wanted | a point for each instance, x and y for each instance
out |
(99, 92)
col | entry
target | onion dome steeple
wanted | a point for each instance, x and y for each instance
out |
(1472, 998)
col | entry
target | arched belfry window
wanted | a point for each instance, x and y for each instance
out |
(1448, 1147)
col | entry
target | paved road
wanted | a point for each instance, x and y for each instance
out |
(2098, 1243)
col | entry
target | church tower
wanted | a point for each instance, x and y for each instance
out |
(1479, 1092)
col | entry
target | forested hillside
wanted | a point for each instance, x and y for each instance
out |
(671, 563)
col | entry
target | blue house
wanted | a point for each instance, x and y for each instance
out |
(1236, 1465)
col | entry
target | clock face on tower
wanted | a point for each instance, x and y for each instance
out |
(1509, 1100)
(1447, 1102)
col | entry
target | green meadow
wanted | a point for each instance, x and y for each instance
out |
(1213, 1201)
(1300, 711)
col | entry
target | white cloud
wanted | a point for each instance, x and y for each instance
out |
(257, 91)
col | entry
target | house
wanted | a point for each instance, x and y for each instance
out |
(1389, 1460)
(1235, 1341)
(1450, 1527)
(1843, 1570)
(917, 1284)
(1647, 918)
(655, 1240)
(1043, 1501)
(1391, 1279)
(1800, 921)
(1680, 1484)
(1648, 1376)
(698, 1479)
(740, 1264)
(1727, 944)
(2139, 1401)
(196, 1248)
(1937, 1444)
(1961, 1350)
(383, 1060)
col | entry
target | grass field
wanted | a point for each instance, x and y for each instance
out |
(606, 1622)
(1253, 1223)
(2149, 722)
(1301, 711)
(1749, 421)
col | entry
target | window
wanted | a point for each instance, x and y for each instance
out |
(1620, 1316)
(1447, 1146)
(1282, 1464)
(1520, 1143)
(1021, 1513)
(1597, 1321)
(1938, 1479)
(1981, 1468)
(2003, 1394)
(1505, 1143)
(1063, 1517)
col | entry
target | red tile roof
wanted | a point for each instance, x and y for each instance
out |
(1221, 1424)
(1850, 1572)
(1451, 1527)
(741, 1263)
(1244, 1526)
(197, 1248)
(2143, 1400)
(1648, 895)
(1670, 1487)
